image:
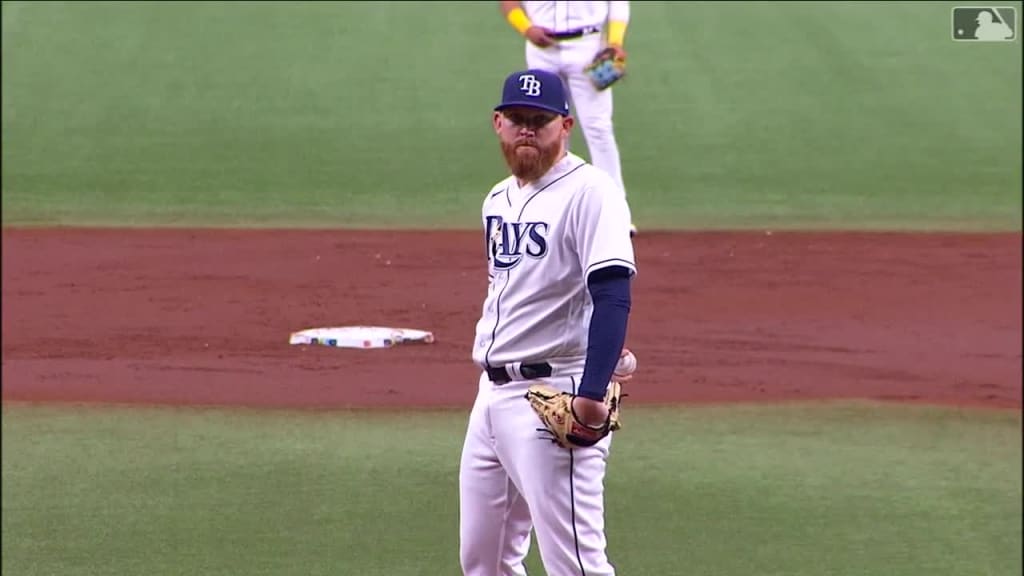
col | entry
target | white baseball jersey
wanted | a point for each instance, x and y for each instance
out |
(566, 16)
(542, 242)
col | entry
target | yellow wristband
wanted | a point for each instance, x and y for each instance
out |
(517, 18)
(616, 32)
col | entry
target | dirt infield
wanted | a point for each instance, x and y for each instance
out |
(202, 317)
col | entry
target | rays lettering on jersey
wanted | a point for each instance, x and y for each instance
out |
(508, 242)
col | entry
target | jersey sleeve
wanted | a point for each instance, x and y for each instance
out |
(601, 226)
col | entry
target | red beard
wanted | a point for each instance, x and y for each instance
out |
(527, 160)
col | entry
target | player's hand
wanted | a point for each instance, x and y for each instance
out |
(620, 53)
(589, 412)
(540, 37)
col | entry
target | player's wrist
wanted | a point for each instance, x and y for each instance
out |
(519, 20)
(589, 412)
(616, 33)
(592, 392)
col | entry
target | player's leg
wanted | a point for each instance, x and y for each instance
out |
(570, 533)
(594, 108)
(594, 113)
(518, 526)
(542, 58)
(492, 513)
(564, 488)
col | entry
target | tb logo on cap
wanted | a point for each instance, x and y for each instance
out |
(529, 85)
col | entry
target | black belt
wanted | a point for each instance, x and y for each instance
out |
(499, 375)
(570, 34)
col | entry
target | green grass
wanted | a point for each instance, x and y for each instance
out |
(855, 115)
(839, 489)
(825, 115)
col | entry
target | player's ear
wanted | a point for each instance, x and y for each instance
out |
(567, 123)
(497, 121)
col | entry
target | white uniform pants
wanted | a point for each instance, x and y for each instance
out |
(512, 478)
(593, 108)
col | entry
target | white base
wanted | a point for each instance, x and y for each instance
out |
(359, 337)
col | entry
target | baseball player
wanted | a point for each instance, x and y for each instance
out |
(560, 263)
(563, 37)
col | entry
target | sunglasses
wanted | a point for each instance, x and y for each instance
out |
(531, 121)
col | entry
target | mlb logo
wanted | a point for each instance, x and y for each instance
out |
(985, 23)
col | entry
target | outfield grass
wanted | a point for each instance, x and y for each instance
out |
(835, 489)
(857, 115)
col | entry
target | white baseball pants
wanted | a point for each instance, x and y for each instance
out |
(593, 107)
(513, 478)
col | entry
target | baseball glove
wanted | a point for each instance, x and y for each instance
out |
(607, 67)
(554, 408)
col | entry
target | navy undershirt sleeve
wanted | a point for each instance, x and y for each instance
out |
(610, 291)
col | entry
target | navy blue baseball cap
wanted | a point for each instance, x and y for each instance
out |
(535, 89)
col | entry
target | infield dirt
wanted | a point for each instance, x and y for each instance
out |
(202, 317)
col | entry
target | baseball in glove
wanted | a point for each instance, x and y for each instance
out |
(554, 408)
(607, 67)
